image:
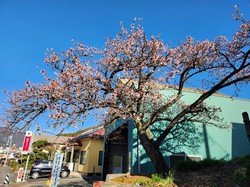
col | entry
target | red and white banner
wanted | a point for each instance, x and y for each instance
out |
(27, 142)
(19, 175)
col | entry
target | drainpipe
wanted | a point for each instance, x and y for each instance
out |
(103, 157)
(129, 161)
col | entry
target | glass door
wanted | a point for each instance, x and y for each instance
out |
(117, 164)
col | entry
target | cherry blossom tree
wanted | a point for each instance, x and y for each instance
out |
(126, 80)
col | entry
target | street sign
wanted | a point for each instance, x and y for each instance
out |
(56, 169)
(27, 142)
(19, 175)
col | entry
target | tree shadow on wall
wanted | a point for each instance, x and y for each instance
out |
(183, 137)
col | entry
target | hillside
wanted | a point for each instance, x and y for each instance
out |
(17, 137)
(74, 134)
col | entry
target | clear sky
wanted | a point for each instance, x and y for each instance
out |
(28, 27)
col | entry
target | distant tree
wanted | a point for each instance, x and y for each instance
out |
(38, 149)
(40, 144)
(125, 79)
(25, 157)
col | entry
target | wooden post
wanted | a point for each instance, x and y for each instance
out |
(246, 122)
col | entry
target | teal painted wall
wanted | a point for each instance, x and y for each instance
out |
(239, 141)
(207, 141)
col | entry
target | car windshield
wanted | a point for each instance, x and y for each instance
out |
(50, 163)
(36, 162)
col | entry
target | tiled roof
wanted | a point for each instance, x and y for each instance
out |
(92, 133)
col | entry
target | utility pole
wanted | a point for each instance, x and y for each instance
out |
(9, 142)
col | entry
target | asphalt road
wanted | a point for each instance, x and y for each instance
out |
(74, 180)
(4, 170)
(40, 183)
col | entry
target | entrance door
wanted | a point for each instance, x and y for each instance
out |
(76, 160)
(117, 164)
(116, 152)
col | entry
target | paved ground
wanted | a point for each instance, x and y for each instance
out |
(4, 170)
(74, 180)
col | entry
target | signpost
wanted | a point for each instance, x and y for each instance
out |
(27, 142)
(19, 175)
(26, 148)
(56, 169)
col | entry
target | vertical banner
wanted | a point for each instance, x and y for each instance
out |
(27, 142)
(56, 169)
(19, 175)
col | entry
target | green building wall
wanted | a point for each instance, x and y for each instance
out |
(205, 141)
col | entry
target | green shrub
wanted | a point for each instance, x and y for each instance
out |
(142, 182)
(240, 176)
(23, 165)
(244, 160)
(40, 144)
(157, 180)
(14, 165)
(41, 156)
(156, 177)
(169, 181)
(194, 165)
(31, 159)
(210, 162)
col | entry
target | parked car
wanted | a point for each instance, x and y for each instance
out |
(18, 160)
(44, 168)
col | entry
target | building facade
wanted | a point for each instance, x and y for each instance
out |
(84, 153)
(195, 141)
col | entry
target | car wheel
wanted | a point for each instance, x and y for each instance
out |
(64, 174)
(35, 175)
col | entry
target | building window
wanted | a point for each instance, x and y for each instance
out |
(68, 156)
(100, 158)
(83, 157)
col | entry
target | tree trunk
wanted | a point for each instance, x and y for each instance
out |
(154, 153)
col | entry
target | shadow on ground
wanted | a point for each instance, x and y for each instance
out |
(90, 180)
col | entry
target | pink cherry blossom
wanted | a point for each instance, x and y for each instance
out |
(134, 77)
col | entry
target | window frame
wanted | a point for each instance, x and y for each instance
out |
(83, 156)
(100, 158)
(186, 157)
(68, 156)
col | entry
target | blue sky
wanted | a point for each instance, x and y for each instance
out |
(28, 27)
